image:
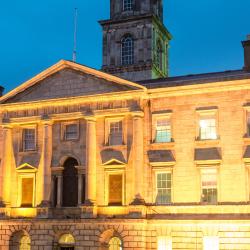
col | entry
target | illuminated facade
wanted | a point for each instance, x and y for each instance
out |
(92, 161)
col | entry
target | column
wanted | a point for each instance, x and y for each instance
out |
(79, 189)
(7, 165)
(59, 190)
(138, 152)
(91, 161)
(45, 166)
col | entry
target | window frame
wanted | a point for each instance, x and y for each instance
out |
(207, 114)
(22, 139)
(161, 116)
(108, 122)
(127, 6)
(202, 171)
(127, 58)
(64, 130)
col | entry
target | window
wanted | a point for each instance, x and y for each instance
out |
(163, 131)
(115, 133)
(71, 131)
(66, 242)
(25, 243)
(115, 189)
(208, 128)
(127, 5)
(159, 55)
(29, 139)
(211, 242)
(164, 243)
(163, 188)
(209, 186)
(115, 244)
(127, 50)
(248, 124)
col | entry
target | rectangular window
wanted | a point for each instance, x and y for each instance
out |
(71, 132)
(115, 133)
(208, 129)
(29, 139)
(27, 192)
(163, 131)
(211, 243)
(248, 124)
(164, 243)
(127, 5)
(115, 189)
(209, 186)
(163, 188)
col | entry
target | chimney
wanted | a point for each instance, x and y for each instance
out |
(246, 46)
(1, 90)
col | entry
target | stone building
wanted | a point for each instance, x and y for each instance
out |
(92, 161)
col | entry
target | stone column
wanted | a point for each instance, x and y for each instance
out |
(90, 198)
(138, 152)
(45, 166)
(80, 170)
(59, 190)
(7, 165)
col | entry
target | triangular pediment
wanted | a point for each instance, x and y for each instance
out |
(26, 168)
(67, 79)
(113, 162)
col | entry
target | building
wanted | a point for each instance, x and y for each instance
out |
(92, 161)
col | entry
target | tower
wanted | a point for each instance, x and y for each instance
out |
(135, 40)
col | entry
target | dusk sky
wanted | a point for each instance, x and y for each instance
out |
(207, 35)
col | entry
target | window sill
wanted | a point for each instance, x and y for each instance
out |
(163, 144)
(122, 146)
(28, 151)
(200, 142)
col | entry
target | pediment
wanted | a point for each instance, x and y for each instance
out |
(113, 162)
(26, 168)
(67, 79)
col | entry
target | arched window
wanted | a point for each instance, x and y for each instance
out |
(127, 5)
(20, 241)
(25, 243)
(115, 244)
(159, 55)
(66, 242)
(127, 52)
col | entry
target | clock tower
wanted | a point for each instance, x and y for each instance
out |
(135, 40)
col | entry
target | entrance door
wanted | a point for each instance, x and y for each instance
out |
(115, 189)
(27, 192)
(70, 183)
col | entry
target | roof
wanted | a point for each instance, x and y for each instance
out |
(64, 64)
(196, 79)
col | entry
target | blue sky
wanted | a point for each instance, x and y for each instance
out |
(207, 35)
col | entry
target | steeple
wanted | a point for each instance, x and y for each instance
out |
(135, 40)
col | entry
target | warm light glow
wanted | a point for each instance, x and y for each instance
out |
(210, 243)
(66, 239)
(164, 243)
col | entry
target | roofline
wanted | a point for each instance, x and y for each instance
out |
(62, 64)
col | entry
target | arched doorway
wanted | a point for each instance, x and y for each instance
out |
(70, 183)
(20, 241)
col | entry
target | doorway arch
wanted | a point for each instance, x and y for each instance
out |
(70, 183)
